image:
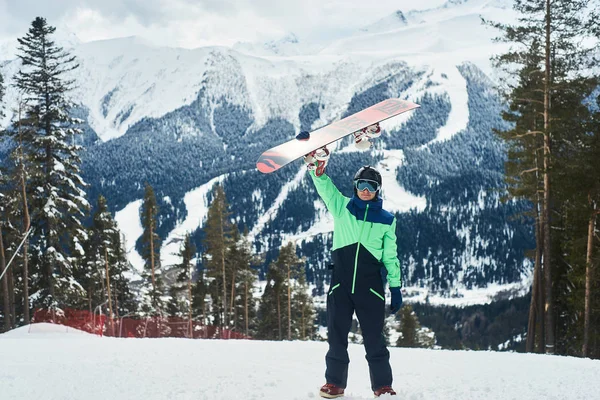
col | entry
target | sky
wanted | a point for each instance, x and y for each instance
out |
(197, 23)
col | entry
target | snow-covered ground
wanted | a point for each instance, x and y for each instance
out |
(49, 362)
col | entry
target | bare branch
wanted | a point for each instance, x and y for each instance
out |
(528, 171)
(535, 133)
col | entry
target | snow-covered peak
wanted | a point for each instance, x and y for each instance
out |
(447, 35)
(288, 46)
(392, 21)
(124, 80)
(66, 38)
(452, 8)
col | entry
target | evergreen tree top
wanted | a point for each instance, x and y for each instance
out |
(44, 66)
(565, 23)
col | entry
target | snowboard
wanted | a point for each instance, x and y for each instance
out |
(362, 123)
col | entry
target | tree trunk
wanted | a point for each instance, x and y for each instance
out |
(89, 298)
(152, 265)
(26, 306)
(116, 297)
(533, 306)
(7, 311)
(50, 265)
(26, 225)
(110, 307)
(191, 325)
(549, 307)
(11, 296)
(588, 282)
(233, 273)
(246, 306)
(289, 304)
(225, 324)
(279, 315)
(303, 322)
(540, 315)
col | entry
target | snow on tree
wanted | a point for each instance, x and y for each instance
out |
(152, 302)
(55, 186)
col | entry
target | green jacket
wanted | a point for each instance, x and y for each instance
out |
(356, 223)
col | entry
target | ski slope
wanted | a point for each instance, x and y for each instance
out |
(51, 362)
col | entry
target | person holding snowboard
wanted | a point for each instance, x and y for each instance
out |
(364, 249)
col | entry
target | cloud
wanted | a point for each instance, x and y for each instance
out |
(194, 23)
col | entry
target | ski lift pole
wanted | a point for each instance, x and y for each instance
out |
(16, 252)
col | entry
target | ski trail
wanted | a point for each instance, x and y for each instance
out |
(454, 85)
(128, 222)
(196, 204)
(396, 198)
(274, 209)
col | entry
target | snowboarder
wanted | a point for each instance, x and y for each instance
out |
(364, 250)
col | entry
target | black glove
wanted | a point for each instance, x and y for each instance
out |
(396, 300)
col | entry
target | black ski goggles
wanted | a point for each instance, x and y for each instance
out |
(370, 185)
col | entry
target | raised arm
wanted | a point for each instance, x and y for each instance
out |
(334, 200)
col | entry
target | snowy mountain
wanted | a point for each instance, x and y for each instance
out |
(182, 369)
(182, 120)
(393, 21)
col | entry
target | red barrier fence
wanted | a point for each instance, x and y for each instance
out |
(142, 327)
(82, 320)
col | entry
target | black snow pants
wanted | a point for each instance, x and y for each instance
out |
(368, 301)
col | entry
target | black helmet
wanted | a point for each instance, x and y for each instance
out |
(370, 173)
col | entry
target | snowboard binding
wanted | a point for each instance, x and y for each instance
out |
(317, 160)
(361, 137)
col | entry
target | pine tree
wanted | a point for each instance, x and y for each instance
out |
(409, 328)
(181, 291)
(546, 46)
(55, 186)
(104, 265)
(152, 292)
(124, 300)
(9, 244)
(522, 169)
(292, 265)
(199, 293)
(591, 158)
(16, 189)
(412, 334)
(303, 309)
(578, 190)
(269, 309)
(217, 240)
(275, 311)
(241, 261)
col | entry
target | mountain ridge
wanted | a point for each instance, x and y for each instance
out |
(179, 118)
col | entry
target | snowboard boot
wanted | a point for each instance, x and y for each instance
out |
(331, 391)
(384, 390)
